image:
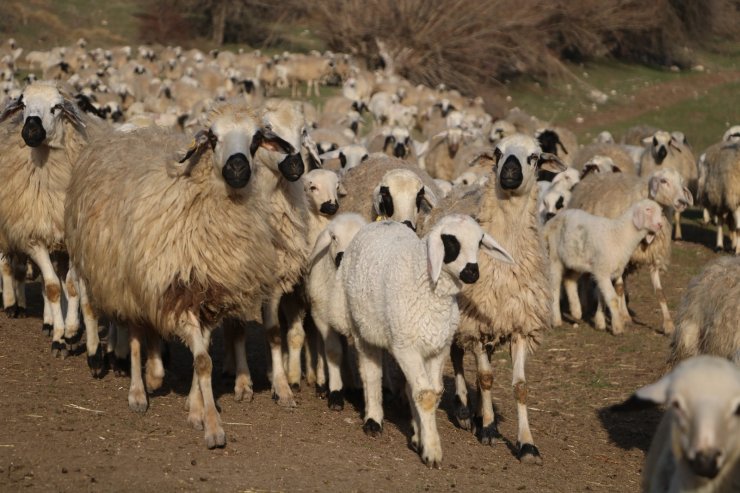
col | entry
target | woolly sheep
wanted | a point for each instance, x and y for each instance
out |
(615, 152)
(696, 447)
(389, 188)
(169, 277)
(707, 320)
(401, 293)
(510, 302)
(326, 297)
(720, 189)
(664, 150)
(582, 243)
(349, 156)
(556, 195)
(43, 132)
(558, 141)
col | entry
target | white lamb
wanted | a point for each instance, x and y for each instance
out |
(402, 296)
(579, 243)
(696, 447)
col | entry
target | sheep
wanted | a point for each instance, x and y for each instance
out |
(557, 194)
(13, 271)
(510, 302)
(558, 141)
(144, 251)
(440, 156)
(696, 447)
(401, 294)
(389, 188)
(395, 142)
(38, 158)
(582, 243)
(664, 150)
(609, 195)
(620, 157)
(720, 189)
(499, 130)
(707, 320)
(326, 297)
(349, 156)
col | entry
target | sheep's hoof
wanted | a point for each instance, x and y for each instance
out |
(719, 249)
(528, 454)
(46, 329)
(96, 362)
(122, 366)
(216, 440)
(284, 401)
(489, 434)
(372, 428)
(431, 463)
(336, 400)
(245, 394)
(462, 414)
(137, 401)
(321, 391)
(73, 342)
(15, 311)
(295, 387)
(59, 349)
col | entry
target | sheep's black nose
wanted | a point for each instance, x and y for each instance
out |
(236, 171)
(329, 208)
(410, 225)
(338, 259)
(399, 151)
(33, 132)
(662, 153)
(706, 464)
(291, 167)
(549, 215)
(470, 274)
(511, 174)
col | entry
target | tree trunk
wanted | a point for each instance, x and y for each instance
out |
(219, 21)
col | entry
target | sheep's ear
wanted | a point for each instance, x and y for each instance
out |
(616, 169)
(201, 140)
(674, 143)
(687, 195)
(550, 162)
(435, 256)
(314, 160)
(383, 201)
(646, 397)
(589, 168)
(653, 185)
(341, 191)
(322, 244)
(329, 155)
(13, 107)
(491, 247)
(387, 142)
(647, 140)
(562, 146)
(429, 197)
(638, 218)
(271, 141)
(71, 112)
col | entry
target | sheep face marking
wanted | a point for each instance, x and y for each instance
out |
(517, 160)
(43, 110)
(322, 189)
(399, 196)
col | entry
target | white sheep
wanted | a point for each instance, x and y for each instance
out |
(719, 189)
(556, 194)
(664, 150)
(510, 302)
(43, 132)
(401, 293)
(696, 447)
(707, 321)
(581, 243)
(328, 304)
(176, 243)
(349, 156)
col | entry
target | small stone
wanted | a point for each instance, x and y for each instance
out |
(193, 462)
(64, 470)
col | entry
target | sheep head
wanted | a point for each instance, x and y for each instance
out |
(660, 144)
(452, 247)
(44, 109)
(666, 188)
(518, 160)
(400, 195)
(337, 235)
(323, 190)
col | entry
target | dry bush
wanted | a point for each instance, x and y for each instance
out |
(468, 42)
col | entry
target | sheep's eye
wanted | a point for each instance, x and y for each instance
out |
(663, 181)
(655, 141)
(532, 159)
(56, 108)
(313, 188)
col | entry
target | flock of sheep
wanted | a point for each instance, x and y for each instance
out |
(165, 193)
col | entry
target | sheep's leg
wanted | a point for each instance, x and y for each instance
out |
(72, 320)
(528, 453)
(316, 88)
(197, 338)
(321, 381)
(230, 350)
(489, 430)
(610, 299)
(243, 387)
(334, 353)
(95, 353)
(48, 323)
(9, 300)
(136, 394)
(308, 352)
(622, 299)
(20, 296)
(706, 218)
(280, 388)
(570, 282)
(154, 366)
(556, 278)
(119, 352)
(424, 400)
(599, 316)
(735, 230)
(370, 359)
(293, 313)
(720, 243)
(668, 326)
(53, 291)
(677, 222)
(462, 406)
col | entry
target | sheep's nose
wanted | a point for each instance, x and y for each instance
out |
(291, 167)
(662, 153)
(511, 174)
(236, 171)
(33, 132)
(338, 259)
(399, 151)
(706, 463)
(410, 225)
(470, 273)
(549, 216)
(329, 208)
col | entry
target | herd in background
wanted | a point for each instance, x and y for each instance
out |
(164, 193)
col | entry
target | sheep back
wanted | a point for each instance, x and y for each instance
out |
(617, 154)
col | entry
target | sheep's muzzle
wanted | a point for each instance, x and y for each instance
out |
(660, 155)
(329, 208)
(33, 132)
(291, 167)
(511, 174)
(399, 151)
(470, 273)
(706, 464)
(236, 172)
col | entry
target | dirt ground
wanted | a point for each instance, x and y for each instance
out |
(64, 431)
